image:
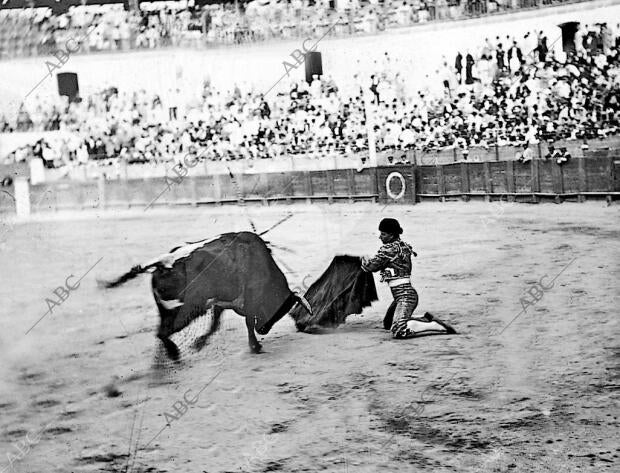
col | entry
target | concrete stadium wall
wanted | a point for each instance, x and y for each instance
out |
(406, 184)
(599, 148)
(287, 164)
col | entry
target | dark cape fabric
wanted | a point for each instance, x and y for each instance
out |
(343, 289)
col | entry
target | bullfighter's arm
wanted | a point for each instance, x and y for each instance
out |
(377, 262)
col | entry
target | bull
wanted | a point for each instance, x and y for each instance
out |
(232, 271)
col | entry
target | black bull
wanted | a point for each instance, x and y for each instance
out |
(234, 271)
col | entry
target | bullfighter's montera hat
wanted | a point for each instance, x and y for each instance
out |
(390, 225)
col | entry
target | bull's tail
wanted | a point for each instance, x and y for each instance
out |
(132, 273)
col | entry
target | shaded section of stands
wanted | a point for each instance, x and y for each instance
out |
(42, 30)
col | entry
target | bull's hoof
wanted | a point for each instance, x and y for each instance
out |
(300, 326)
(317, 329)
(256, 347)
(171, 350)
(200, 342)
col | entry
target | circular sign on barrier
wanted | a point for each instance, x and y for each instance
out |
(403, 186)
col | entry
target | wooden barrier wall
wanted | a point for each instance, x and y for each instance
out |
(347, 184)
(404, 183)
(579, 177)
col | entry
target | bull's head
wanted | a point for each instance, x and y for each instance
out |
(284, 309)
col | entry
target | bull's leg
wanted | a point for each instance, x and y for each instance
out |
(215, 325)
(255, 346)
(166, 328)
(171, 349)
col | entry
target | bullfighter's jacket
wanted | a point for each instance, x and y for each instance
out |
(393, 260)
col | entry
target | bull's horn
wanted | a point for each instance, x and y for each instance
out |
(302, 300)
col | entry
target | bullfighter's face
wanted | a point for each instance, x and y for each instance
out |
(386, 237)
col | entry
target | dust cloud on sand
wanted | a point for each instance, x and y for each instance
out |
(82, 391)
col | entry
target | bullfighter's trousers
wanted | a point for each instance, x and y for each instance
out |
(406, 299)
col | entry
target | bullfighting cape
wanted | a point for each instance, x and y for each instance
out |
(343, 289)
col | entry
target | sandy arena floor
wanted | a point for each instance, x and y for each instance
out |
(79, 392)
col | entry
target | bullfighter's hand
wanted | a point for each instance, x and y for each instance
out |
(365, 260)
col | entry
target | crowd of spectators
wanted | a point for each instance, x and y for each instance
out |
(37, 31)
(41, 31)
(140, 127)
(511, 91)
